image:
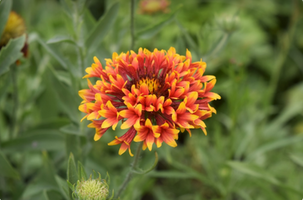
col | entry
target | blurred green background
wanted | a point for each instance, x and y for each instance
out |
(253, 150)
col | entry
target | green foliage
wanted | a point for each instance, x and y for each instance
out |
(11, 53)
(6, 169)
(253, 150)
(5, 8)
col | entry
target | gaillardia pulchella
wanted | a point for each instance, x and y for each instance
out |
(154, 94)
(15, 27)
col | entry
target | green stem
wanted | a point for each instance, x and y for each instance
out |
(130, 173)
(81, 57)
(15, 101)
(286, 41)
(132, 26)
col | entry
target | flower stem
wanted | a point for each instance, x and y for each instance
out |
(132, 26)
(286, 41)
(15, 102)
(130, 173)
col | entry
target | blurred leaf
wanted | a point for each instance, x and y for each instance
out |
(60, 38)
(253, 170)
(218, 46)
(272, 145)
(53, 52)
(140, 171)
(45, 196)
(81, 172)
(192, 44)
(72, 170)
(4, 82)
(102, 27)
(89, 20)
(67, 97)
(71, 129)
(170, 174)
(296, 159)
(49, 140)
(35, 188)
(5, 8)
(72, 143)
(63, 77)
(63, 186)
(11, 53)
(156, 28)
(45, 181)
(6, 169)
(68, 6)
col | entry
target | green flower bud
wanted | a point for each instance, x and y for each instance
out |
(228, 23)
(91, 189)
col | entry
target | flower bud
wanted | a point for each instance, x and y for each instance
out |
(153, 6)
(14, 28)
(228, 23)
(91, 189)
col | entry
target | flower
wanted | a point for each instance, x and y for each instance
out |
(153, 6)
(154, 94)
(14, 28)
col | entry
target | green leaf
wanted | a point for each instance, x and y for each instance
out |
(218, 46)
(296, 159)
(270, 146)
(140, 171)
(102, 27)
(6, 169)
(72, 176)
(45, 196)
(71, 129)
(171, 174)
(253, 170)
(60, 38)
(81, 172)
(156, 28)
(44, 180)
(63, 185)
(190, 41)
(50, 140)
(72, 143)
(52, 52)
(5, 8)
(11, 53)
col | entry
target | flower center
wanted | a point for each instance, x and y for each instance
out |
(152, 84)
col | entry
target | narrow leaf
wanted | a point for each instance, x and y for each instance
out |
(151, 168)
(5, 8)
(60, 38)
(71, 170)
(39, 140)
(190, 41)
(45, 196)
(71, 129)
(275, 145)
(102, 27)
(53, 52)
(6, 169)
(11, 53)
(253, 170)
(153, 30)
(63, 185)
(81, 172)
(296, 159)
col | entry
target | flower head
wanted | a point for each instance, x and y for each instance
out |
(14, 28)
(153, 6)
(154, 94)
